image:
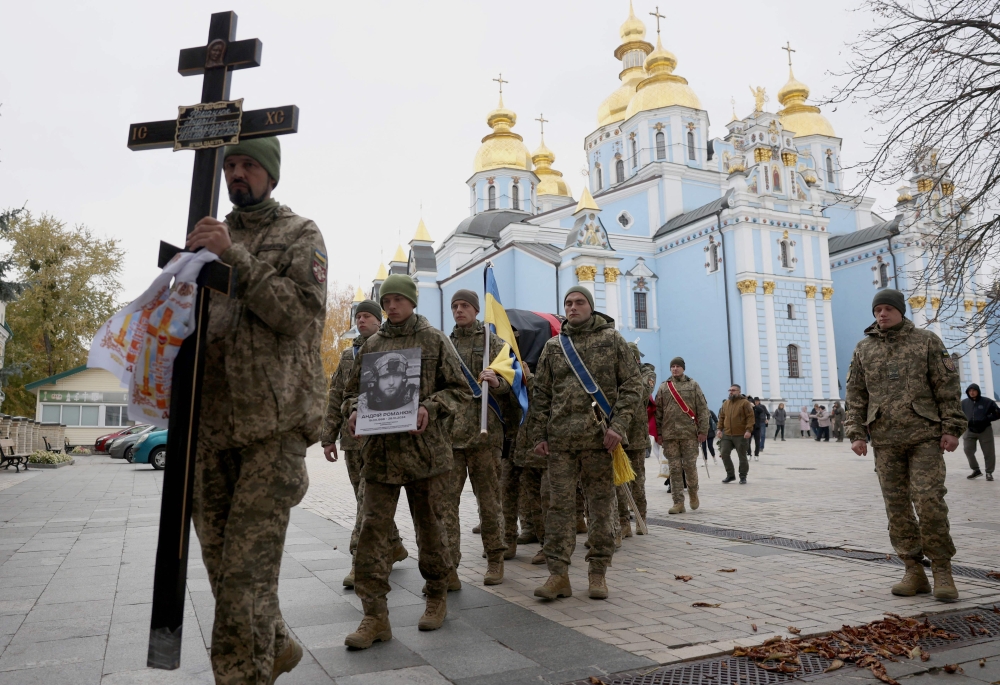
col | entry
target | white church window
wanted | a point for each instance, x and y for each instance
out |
(641, 282)
(599, 178)
(883, 275)
(625, 220)
(791, 310)
(691, 151)
(793, 361)
(620, 171)
(661, 145)
(641, 320)
(786, 260)
(515, 196)
(492, 197)
(713, 257)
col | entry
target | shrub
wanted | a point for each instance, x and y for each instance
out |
(46, 457)
(79, 449)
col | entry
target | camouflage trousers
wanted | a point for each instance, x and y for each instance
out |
(373, 561)
(638, 487)
(352, 458)
(242, 499)
(912, 477)
(727, 445)
(682, 455)
(480, 466)
(522, 497)
(593, 468)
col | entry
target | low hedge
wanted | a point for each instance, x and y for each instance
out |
(46, 457)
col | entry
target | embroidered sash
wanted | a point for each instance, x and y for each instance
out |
(680, 401)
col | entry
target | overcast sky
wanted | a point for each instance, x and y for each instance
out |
(393, 96)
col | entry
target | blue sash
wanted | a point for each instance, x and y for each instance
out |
(583, 375)
(477, 391)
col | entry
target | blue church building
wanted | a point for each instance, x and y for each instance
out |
(742, 254)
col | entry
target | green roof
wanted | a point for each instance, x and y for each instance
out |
(52, 379)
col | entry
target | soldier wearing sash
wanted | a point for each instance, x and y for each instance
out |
(476, 455)
(588, 362)
(367, 319)
(682, 423)
(638, 446)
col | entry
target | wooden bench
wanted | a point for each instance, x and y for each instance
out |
(9, 455)
(50, 448)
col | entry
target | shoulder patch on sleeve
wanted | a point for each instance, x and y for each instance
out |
(949, 362)
(319, 266)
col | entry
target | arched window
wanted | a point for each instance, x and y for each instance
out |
(691, 154)
(785, 257)
(641, 313)
(793, 361)
(948, 269)
(493, 197)
(829, 168)
(600, 179)
(661, 145)
(635, 154)
(515, 196)
(776, 175)
(883, 275)
(620, 171)
(791, 310)
(713, 257)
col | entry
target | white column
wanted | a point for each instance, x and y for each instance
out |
(918, 303)
(814, 354)
(987, 386)
(751, 339)
(773, 375)
(831, 345)
(612, 298)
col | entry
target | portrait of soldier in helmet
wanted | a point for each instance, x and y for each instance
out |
(390, 383)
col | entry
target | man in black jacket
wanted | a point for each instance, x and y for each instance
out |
(981, 412)
(760, 417)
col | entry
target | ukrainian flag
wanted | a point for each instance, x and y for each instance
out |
(508, 362)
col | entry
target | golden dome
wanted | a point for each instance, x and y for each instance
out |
(633, 29)
(503, 147)
(400, 256)
(550, 181)
(662, 88)
(422, 234)
(382, 273)
(359, 296)
(797, 116)
(632, 33)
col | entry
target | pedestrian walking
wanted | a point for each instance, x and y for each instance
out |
(981, 412)
(709, 445)
(823, 422)
(682, 423)
(903, 393)
(804, 421)
(837, 414)
(780, 415)
(736, 423)
(814, 422)
(760, 415)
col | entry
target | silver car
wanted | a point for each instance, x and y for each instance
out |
(121, 448)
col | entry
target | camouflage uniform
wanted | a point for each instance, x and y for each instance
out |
(333, 426)
(420, 463)
(903, 391)
(638, 444)
(679, 434)
(561, 414)
(838, 414)
(262, 404)
(522, 485)
(476, 455)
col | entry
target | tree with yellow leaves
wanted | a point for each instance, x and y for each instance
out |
(339, 300)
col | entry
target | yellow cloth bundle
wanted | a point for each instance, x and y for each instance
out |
(622, 467)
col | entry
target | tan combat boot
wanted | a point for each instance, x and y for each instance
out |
(399, 553)
(944, 584)
(434, 613)
(581, 524)
(494, 573)
(914, 580)
(372, 629)
(349, 578)
(511, 550)
(598, 586)
(289, 658)
(693, 495)
(555, 587)
(539, 557)
(453, 581)
(527, 537)
(626, 528)
(677, 508)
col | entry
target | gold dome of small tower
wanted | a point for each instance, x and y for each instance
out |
(796, 115)
(662, 88)
(631, 52)
(503, 148)
(550, 181)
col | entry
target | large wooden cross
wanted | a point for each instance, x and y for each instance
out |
(204, 128)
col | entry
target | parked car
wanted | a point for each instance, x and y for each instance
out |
(103, 442)
(151, 449)
(121, 448)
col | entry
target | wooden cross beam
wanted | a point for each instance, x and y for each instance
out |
(205, 128)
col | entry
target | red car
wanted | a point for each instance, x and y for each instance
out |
(101, 445)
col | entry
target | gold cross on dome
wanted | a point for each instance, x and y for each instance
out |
(542, 120)
(789, 50)
(658, 17)
(501, 82)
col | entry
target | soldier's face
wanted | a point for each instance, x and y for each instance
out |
(397, 308)
(887, 316)
(392, 384)
(463, 313)
(577, 308)
(677, 370)
(246, 180)
(366, 323)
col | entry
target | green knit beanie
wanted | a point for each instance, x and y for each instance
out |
(580, 289)
(267, 152)
(678, 361)
(399, 284)
(369, 307)
(891, 297)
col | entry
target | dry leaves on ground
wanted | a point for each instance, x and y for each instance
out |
(705, 605)
(754, 626)
(864, 646)
(834, 665)
(793, 630)
(953, 668)
(993, 574)
(726, 570)
(684, 578)
(594, 680)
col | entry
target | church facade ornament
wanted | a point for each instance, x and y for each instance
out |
(611, 274)
(762, 154)
(980, 306)
(810, 291)
(918, 302)
(768, 287)
(586, 273)
(747, 286)
(936, 302)
(827, 292)
(969, 304)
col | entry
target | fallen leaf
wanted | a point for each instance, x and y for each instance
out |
(793, 630)
(982, 663)
(594, 680)
(754, 626)
(953, 668)
(834, 665)
(915, 652)
(705, 605)
(925, 657)
(687, 543)
(772, 640)
(888, 558)
(993, 574)
(726, 570)
(640, 570)
(684, 578)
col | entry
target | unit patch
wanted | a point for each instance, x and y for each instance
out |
(319, 266)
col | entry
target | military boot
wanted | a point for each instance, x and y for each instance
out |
(944, 584)
(598, 586)
(372, 629)
(677, 508)
(434, 613)
(693, 495)
(626, 528)
(349, 578)
(581, 524)
(539, 557)
(914, 580)
(527, 537)
(289, 658)
(511, 550)
(494, 573)
(453, 581)
(399, 553)
(556, 586)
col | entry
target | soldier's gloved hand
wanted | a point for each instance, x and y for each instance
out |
(352, 423)
(542, 449)
(860, 447)
(949, 443)
(330, 452)
(702, 437)
(611, 440)
(422, 419)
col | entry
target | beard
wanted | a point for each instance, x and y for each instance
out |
(243, 196)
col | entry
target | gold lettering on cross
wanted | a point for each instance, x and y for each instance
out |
(275, 116)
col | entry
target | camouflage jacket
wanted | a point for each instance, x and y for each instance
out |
(736, 416)
(837, 414)
(903, 388)
(560, 411)
(400, 458)
(263, 372)
(334, 424)
(638, 430)
(671, 422)
(465, 431)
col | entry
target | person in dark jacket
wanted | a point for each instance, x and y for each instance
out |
(760, 417)
(707, 446)
(780, 415)
(814, 421)
(981, 413)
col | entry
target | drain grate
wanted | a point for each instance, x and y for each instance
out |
(730, 670)
(806, 546)
(799, 468)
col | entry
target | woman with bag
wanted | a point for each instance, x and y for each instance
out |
(804, 420)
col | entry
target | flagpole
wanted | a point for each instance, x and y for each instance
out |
(483, 417)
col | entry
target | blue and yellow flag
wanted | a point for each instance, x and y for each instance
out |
(508, 362)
